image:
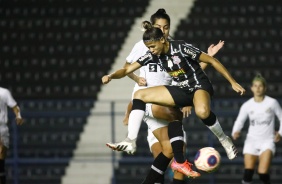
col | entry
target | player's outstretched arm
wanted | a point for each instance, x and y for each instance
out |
(223, 71)
(120, 73)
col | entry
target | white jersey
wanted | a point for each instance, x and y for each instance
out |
(261, 118)
(154, 75)
(6, 99)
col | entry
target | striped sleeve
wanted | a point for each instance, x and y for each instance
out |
(191, 51)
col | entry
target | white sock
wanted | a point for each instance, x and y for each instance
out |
(217, 131)
(134, 123)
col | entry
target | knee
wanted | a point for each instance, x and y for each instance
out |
(139, 94)
(202, 112)
(167, 151)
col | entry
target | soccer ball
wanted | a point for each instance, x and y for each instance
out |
(207, 159)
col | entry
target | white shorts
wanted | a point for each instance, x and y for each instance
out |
(256, 147)
(154, 124)
(4, 134)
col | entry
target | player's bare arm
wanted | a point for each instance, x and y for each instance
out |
(120, 73)
(223, 71)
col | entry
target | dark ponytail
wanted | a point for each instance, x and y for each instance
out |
(160, 14)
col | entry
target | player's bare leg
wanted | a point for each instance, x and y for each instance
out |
(202, 110)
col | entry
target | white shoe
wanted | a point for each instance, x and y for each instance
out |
(229, 147)
(126, 145)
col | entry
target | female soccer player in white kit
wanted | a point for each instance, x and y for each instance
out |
(6, 99)
(261, 137)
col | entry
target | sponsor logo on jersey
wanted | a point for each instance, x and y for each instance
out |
(153, 67)
(146, 56)
(190, 52)
(176, 73)
(176, 60)
(175, 51)
(258, 122)
(268, 110)
(169, 63)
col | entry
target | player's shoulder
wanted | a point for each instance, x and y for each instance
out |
(139, 45)
(249, 102)
(177, 42)
(270, 99)
(4, 91)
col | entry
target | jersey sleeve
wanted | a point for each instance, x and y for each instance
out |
(145, 59)
(278, 112)
(10, 100)
(190, 51)
(137, 51)
(240, 120)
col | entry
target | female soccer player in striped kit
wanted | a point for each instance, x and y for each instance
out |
(181, 61)
(6, 100)
(260, 141)
(157, 117)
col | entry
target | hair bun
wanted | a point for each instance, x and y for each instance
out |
(147, 25)
(161, 11)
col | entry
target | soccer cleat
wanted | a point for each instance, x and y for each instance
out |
(229, 147)
(185, 168)
(127, 145)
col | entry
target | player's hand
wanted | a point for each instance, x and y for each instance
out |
(277, 137)
(142, 81)
(238, 88)
(19, 121)
(186, 111)
(106, 79)
(236, 135)
(213, 49)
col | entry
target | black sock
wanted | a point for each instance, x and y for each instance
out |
(2, 172)
(248, 175)
(265, 178)
(157, 170)
(138, 104)
(175, 134)
(176, 181)
(160, 180)
(210, 120)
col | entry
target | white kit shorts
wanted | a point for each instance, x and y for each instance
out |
(256, 147)
(154, 124)
(4, 134)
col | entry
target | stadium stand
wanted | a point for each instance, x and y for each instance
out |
(54, 52)
(53, 55)
(252, 43)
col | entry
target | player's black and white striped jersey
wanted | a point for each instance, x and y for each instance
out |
(181, 62)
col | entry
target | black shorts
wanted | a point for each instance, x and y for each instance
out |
(184, 96)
